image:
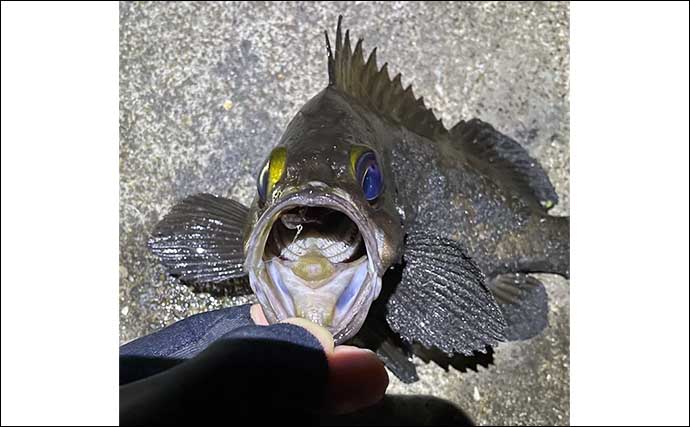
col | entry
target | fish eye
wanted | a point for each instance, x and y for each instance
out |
(369, 175)
(262, 181)
(271, 172)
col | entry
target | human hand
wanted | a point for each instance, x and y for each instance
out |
(356, 376)
(228, 363)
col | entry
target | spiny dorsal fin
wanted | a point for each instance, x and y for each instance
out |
(372, 86)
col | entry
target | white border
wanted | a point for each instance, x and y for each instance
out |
(629, 216)
(59, 212)
(629, 213)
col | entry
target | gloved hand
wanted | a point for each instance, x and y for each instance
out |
(229, 365)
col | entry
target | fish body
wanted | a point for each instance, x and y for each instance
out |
(376, 221)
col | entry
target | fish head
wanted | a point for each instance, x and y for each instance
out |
(324, 228)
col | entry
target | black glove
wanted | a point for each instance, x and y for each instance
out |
(221, 366)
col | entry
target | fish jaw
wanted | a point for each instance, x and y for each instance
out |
(327, 301)
(335, 294)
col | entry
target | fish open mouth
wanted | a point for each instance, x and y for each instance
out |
(313, 261)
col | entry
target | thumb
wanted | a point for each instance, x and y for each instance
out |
(356, 377)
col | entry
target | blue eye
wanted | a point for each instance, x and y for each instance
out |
(369, 175)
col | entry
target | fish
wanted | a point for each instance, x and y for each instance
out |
(376, 221)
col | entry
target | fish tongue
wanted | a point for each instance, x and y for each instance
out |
(314, 269)
(314, 300)
(317, 308)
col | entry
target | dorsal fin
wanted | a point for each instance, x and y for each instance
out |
(372, 86)
(505, 159)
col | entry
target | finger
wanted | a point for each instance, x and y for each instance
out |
(257, 315)
(321, 333)
(356, 379)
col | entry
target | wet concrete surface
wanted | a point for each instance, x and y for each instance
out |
(207, 88)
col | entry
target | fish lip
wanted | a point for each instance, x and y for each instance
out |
(314, 195)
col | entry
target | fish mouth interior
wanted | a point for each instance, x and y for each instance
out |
(317, 230)
(316, 266)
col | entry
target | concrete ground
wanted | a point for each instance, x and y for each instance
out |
(207, 88)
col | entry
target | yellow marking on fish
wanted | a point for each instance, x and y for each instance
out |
(355, 152)
(276, 167)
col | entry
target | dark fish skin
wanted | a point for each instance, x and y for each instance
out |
(439, 187)
(318, 141)
(462, 219)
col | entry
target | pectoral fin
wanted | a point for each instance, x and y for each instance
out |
(201, 239)
(441, 300)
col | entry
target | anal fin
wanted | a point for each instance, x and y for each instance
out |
(377, 336)
(524, 303)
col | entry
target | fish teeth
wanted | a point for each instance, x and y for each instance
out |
(338, 245)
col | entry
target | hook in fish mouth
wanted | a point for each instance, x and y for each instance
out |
(314, 255)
